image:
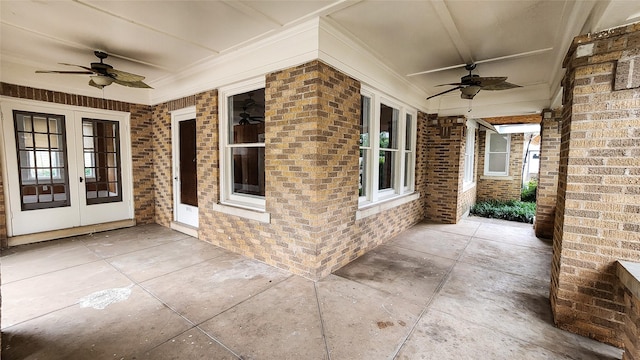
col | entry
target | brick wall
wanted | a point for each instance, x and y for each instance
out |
(631, 333)
(548, 174)
(597, 212)
(142, 163)
(496, 187)
(445, 157)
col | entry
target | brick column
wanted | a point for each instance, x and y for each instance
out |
(548, 174)
(598, 204)
(142, 163)
(445, 154)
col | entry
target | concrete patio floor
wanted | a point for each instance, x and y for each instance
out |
(475, 290)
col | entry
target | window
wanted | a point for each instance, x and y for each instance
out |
(101, 149)
(497, 154)
(387, 148)
(242, 132)
(42, 154)
(469, 153)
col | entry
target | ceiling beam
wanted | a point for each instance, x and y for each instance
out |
(518, 119)
(450, 26)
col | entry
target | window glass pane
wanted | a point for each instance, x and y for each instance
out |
(248, 170)
(385, 176)
(42, 141)
(246, 117)
(497, 162)
(407, 169)
(498, 143)
(407, 144)
(365, 118)
(101, 161)
(388, 127)
(363, 172)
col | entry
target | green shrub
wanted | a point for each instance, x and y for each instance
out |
(528, 192)
(507, 210)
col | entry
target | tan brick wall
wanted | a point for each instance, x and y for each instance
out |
(498, 188)
(162, 183)
(597, 212)
(140, 140)
(445, 154)
(548, 175)
(142, 163)
(631, 336)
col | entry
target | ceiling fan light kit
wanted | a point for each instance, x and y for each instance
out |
(103, 74)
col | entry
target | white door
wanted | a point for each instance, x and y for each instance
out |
(185, 174)
(64, 167)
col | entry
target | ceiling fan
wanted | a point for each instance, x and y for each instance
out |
(471, 84)
(245, 116)
(104, 74)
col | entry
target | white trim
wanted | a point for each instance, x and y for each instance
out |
(381, 206)
(373, 194)
(183, 114)
(235, 210)
(468, 169)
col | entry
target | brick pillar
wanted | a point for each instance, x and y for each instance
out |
(312, 140)
(597, 210)
(142, 163)
(445, 154)
(548, 174)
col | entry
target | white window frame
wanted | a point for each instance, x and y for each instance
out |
(487, 153)
(372, 194)
(469, 155)
(227, 197)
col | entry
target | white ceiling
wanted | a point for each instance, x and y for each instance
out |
(166, 40)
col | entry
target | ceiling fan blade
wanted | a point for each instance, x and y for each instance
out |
(452, 84)
(62, 72)
(134, 84)
(513, 56)
(444, 92)
(124, 76)
(488, 81)
(501, 86)
(80, 66)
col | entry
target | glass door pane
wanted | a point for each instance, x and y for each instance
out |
(188, 168)
(42, 160)
(101, 147)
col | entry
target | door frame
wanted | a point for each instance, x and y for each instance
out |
(188, 113)
(73, 114)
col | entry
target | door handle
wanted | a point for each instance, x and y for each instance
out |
(81, 179)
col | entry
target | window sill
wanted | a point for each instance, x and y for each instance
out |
(376, 208)
(468, 186)
(496, 177)
(243, 212)
(629, 274)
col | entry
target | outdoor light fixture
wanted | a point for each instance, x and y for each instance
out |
(469, 92)
(102, 80)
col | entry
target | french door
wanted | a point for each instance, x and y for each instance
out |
(185, 177)
(64, 167)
